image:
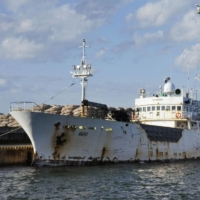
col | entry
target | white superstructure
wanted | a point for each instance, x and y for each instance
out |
(171, 108)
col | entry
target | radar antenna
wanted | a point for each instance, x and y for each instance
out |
(82, 71)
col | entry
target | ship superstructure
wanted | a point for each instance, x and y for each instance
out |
(171, 107)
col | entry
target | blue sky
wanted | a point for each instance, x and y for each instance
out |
(133, 44)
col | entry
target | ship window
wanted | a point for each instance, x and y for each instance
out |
(148, 108)
(153, 108)
(108, 129)
(158, 107)
(185, 108)
(167, 107)
(173, 108)
(82, 127)
(178, 108)
(92, 128)
(66, 126)
(163, 107)
(144, 109)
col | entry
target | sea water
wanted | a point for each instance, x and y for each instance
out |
(174, 180)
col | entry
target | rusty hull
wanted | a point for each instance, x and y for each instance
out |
(68, 140)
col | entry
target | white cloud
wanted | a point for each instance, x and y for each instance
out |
(14, 5)
(129, 17)
(2, 82)
(187, 29)
(28, 37)
(38, 30)
(18, 48)
(148, 37)
(100, 53)
(27, 5)
(159, 12)
(189, 59)
(45, 30)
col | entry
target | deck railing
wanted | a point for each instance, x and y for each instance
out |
(23, 106)
(168, 115)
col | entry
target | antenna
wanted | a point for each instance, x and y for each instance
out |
(188, 76)
(84, 46)
(82, 71)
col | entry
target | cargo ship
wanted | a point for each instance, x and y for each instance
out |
(162, 127)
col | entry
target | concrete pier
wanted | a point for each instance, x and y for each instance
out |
(15, 147)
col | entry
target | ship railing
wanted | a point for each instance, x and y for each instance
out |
(24, 106)
(163, 115)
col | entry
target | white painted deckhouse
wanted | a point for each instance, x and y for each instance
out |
(170, 107)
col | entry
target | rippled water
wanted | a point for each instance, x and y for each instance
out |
(177, 180)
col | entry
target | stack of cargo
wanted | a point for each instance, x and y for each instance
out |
(8, 120)
(118, 113)
(41, 107)
(12, 122)
(54, 109)
(90, 111)
(100, 113)
(111, 109)
(4, 120)
(129, 111)
(120, 109)
(77, 112)
(68, 109)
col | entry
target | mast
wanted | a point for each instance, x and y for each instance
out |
(82, 71)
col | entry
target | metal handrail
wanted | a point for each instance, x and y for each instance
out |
(168, 115)
(23, 106)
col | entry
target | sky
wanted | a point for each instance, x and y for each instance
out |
(133, 44)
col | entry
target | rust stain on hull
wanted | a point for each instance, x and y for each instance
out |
(103, 153)
(61, 138)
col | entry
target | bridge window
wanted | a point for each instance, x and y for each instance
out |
(108, 129)
(178, 108)
(144, 109)
(153, 108)
(173, 108)
(163, 107)
(158, 107)
(82, 127)
(92, 128)
(185, 108)
(167, 107)
(148, 108)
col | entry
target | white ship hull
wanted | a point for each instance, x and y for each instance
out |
(58, 140)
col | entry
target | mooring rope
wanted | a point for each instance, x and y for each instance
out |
(62, 91)
(10, 131)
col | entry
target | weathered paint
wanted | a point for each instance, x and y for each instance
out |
(104, 142)
(16, 155)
